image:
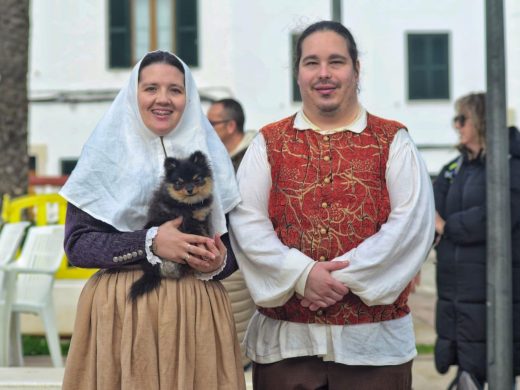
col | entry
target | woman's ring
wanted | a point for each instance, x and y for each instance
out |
(186, 257)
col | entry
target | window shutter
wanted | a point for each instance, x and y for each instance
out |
(428, 66)
(120, 37)
(296, 95)
(187, 45)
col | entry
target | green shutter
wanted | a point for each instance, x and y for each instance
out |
(428, 67)
(296, 95)
(120, 36)
(187, 45)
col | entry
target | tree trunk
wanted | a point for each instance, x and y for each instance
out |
(14, 46)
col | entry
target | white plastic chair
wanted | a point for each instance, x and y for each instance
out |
(28, 289)
(10, 238)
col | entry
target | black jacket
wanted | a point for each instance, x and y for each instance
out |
(460, 199)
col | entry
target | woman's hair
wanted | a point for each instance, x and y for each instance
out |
(326, 25)
(474, 106)
(159, 57)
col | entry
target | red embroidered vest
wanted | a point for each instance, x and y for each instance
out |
(329, 194)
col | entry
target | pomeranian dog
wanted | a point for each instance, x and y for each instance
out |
(185, 191)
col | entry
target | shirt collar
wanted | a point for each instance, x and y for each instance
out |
(301, 122)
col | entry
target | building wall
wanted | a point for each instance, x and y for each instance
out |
(245, 52)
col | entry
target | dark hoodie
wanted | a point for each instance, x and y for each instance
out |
(460, 199)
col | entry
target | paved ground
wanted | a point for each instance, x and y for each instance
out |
(425, 377)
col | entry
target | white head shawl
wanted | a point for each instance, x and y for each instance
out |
(122, 162)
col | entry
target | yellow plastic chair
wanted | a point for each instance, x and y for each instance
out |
(38, 208)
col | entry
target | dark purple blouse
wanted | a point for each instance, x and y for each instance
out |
(90, 243)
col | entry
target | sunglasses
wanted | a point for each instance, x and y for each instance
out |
(460, 119)
(214, 123)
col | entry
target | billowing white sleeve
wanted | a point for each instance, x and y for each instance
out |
(382, 265)
(272, 270)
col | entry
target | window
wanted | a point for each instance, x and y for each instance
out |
(428, 67)
(139, 26)
(296, 96)
(68, 165)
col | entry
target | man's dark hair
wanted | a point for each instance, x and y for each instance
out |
(326, 25)
(233, 111)
(160, 57)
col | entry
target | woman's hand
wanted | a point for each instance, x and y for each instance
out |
(439, 224)
(173, 245)
(210, 264)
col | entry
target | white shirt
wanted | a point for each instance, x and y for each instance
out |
(380, 267)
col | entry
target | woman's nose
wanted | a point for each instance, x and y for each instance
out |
(162, 95)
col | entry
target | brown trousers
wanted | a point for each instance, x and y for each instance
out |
(312, 373)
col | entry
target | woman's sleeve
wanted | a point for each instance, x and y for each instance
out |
(441, 186)
(90, 243)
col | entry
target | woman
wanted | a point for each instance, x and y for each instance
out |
(182, 335)
(460, 201)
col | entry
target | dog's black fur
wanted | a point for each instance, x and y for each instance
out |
(186, 191)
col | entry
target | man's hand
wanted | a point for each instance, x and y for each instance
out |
(321, 289)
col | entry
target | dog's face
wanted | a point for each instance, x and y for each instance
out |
(188, 180)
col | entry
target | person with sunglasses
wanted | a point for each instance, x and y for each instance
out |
(227, 118)
(460, 223)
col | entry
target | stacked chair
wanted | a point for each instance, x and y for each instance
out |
(26, 285)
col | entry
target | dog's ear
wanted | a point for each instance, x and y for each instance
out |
(170, 164)
(198, 158)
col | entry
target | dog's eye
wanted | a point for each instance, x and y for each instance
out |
(197, 180)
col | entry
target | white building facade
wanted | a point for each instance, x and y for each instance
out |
(244, 50)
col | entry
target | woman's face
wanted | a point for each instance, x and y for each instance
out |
(161, 97)
(468, 135)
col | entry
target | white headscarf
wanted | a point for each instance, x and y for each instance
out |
(122, 162)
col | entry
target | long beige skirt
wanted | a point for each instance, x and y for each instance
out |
(180, 337)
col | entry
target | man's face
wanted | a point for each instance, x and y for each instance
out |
(220, 122)
(327, 77)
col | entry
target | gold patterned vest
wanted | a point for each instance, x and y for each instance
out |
(328, 195)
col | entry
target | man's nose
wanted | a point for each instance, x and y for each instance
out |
(324, 71)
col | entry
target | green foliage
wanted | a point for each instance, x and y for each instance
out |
(424, 349)
(37, 345)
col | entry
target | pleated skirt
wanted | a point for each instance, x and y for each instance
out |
(180, 337)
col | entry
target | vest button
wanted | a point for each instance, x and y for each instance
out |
(324, 205)
(326, 180)
(326, 158)
(319, 313)
(323, 231)
(326, 138)
(322, 258)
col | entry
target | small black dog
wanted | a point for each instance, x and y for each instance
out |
(186, 191)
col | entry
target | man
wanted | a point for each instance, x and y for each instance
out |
(337, 217)
(227, 118)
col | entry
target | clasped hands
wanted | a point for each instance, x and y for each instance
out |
(322, 289)
(203, 254)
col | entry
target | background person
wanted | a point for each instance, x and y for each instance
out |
(330, 184)
(460, 222)
(182, 335)
(227, 118)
